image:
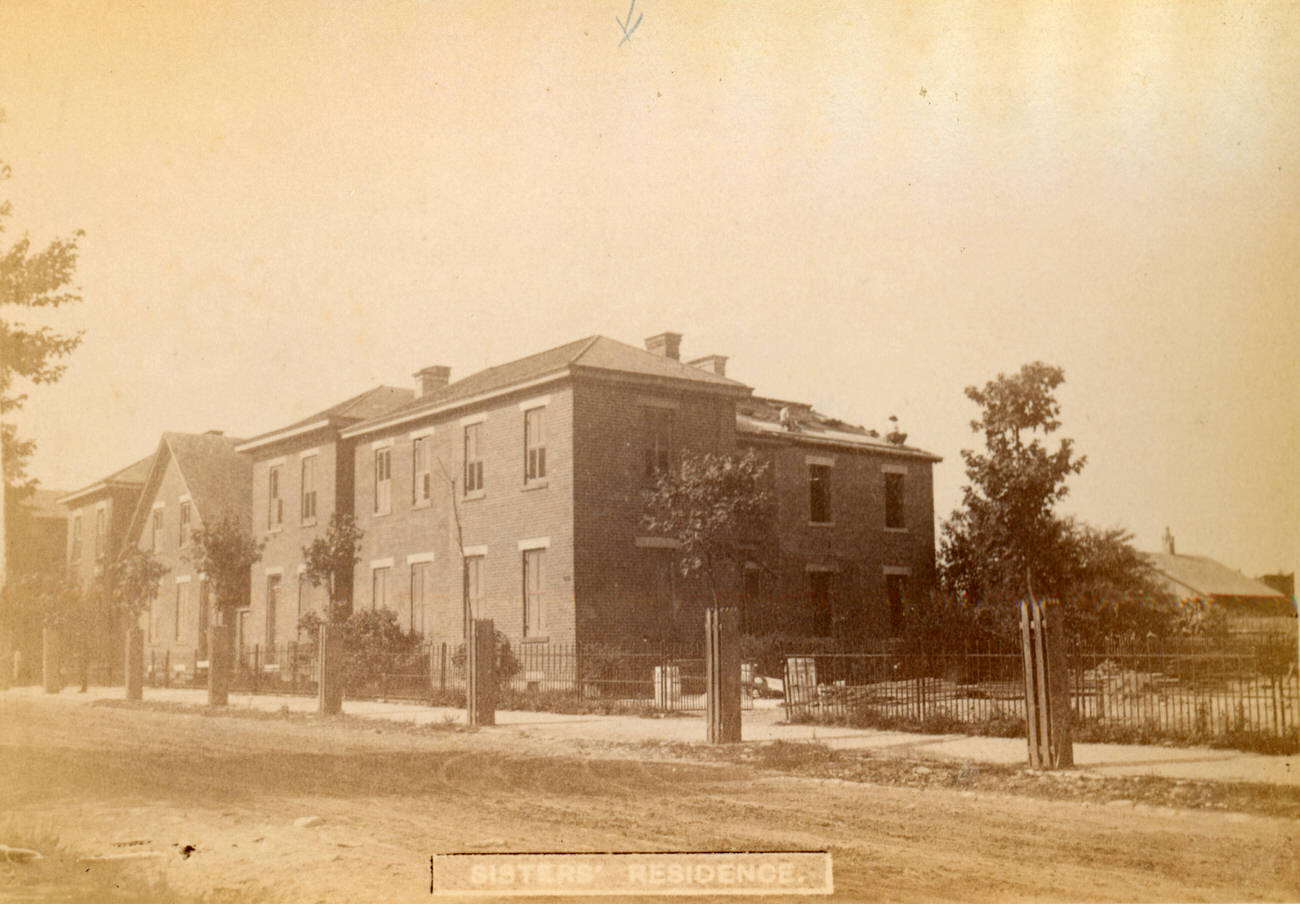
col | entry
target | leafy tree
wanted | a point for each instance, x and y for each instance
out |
(331, 559)
(131, 582)
(1007, 540)
(710, 505)
(225, 552)
(29, 280)
(373, 643)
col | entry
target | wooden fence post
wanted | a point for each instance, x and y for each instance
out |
(1058, 687)
(722, 667)
(219, 663)
(329, 672)
(134, 663)
(51, 673)
(1047, 685)
(481, 673)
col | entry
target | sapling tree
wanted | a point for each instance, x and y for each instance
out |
(710, 504)
(224, 552)
(131, 582)
(330, 560)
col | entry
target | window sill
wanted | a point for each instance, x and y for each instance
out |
(275, 530)
(895, 530)
(821, 523)
(539, 484)
(311, 523)
(422, 504)
(477, 494)
(380, 514)
(541, 639)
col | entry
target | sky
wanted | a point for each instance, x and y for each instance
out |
(866, 206)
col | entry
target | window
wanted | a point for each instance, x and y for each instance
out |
(422, 470)
(896, 590)
(819, 494)
(101, 529)
(272, 613)
(153, 617)
(76, 538)
(473, 591)
(658, 429)
(473, 460)
(379, 588)
(274, 504)
(182, 603)
(383, 481)
(420, 576)
(894, 501)
(307, 508)
(533, 614)
(303, 584)
(185, 524)
(534, 445)
(665, 581)
(155, 530)
(820, 603)
(204, 617)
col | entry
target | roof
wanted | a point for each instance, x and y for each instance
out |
(369, 404)
(133, 474)
(1201, 576)
(761, 417)
(594, 353)
(219, 479)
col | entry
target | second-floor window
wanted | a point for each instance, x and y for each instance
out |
(383, 481)
(894, 501)
(473, 459)
(422, 470)
(275, 505)
(819, 494)
(155, 532)
(534, 445)
(308, 506)
(184, 534)
(76, 538)
(657, 424)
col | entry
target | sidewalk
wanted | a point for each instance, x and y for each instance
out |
(764, 723)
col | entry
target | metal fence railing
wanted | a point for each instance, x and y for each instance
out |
(1175, 689)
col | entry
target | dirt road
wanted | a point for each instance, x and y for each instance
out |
(216, 798)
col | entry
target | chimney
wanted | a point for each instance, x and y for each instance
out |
(432, 379)
(1167, 542)
(666, 344)
(715, 363)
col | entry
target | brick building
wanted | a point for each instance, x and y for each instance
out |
(301, 474)
(537, 468)
(194, 480)
(98, 518)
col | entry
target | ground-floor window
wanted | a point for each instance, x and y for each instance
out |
(379, 588)
(821, 603)
(896, 592)
(421, 574)
(533, 612)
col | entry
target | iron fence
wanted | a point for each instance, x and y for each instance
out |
(1188, 689)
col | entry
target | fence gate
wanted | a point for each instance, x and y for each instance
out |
(1047, 685)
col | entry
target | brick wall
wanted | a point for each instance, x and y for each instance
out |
(623, 588)
(494, 521)
(163, 633)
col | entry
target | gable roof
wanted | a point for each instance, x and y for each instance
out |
(219, 479)
(1201, 576)
(371, 403)
(592, 354)
(761, 417)
(133, 474)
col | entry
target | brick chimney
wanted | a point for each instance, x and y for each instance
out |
(666, 344)
(432, 379)
(715, 363)
(1167, 542)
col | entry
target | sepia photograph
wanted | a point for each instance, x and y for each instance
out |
(638, 449)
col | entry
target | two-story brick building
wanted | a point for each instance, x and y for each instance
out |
(301, 474)
(194, 480)
(98, 517)
(536, 469)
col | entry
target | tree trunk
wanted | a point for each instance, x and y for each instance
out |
(134, 663)
(51, 674)
(221, 655)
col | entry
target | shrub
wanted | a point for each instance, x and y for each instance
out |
(506, 665)
(373, 643)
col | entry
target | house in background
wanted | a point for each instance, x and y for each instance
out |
(301, 474)
(194, 480)
(1251, 604)
(536, 469)
(98, 518)
(36, 530)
